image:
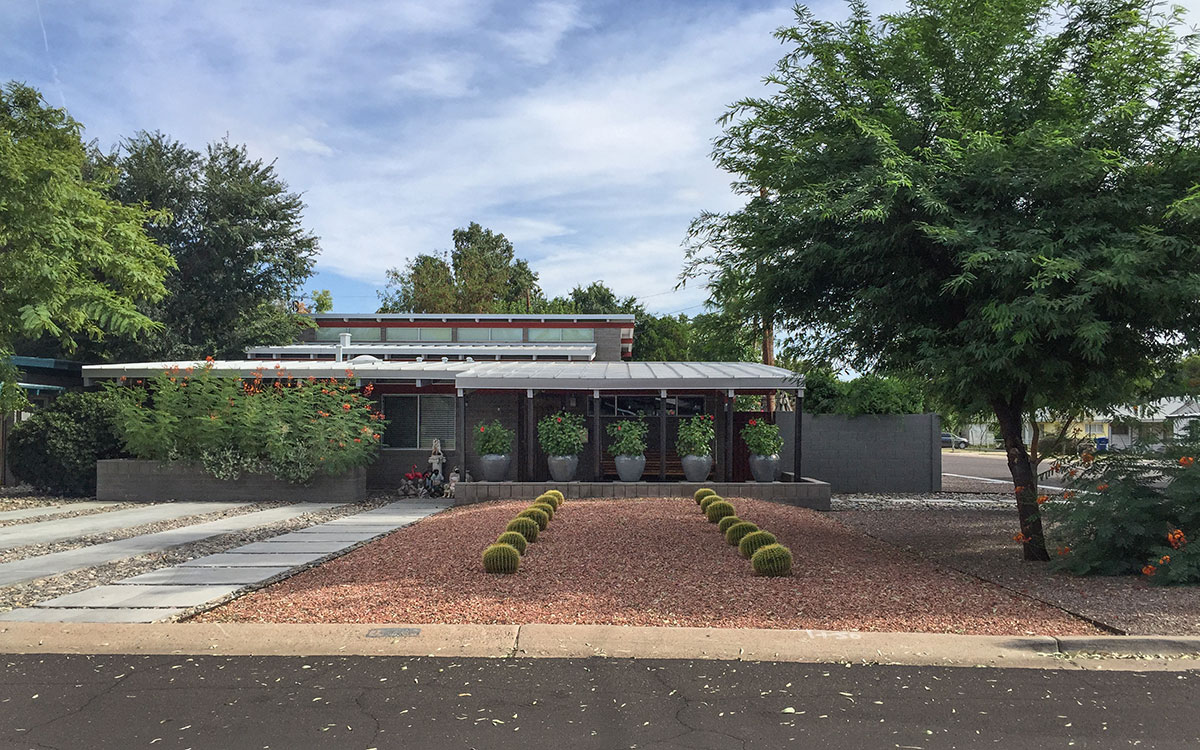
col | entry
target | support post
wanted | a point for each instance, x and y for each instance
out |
(662, 436)
(596, 474)
(530, 436)
(797, 434)
(727, 472)
(460, 429)
(519, 446)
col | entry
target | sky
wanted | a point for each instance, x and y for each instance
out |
(580, 130)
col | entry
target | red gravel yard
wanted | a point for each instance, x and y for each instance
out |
(653, 561)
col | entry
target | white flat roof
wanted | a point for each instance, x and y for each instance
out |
(574, 376)
(484, 349)
(478, 317)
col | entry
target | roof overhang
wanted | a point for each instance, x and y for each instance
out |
(437, 350)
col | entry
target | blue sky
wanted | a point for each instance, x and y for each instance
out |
(581, 131)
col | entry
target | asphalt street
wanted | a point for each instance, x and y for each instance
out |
(987, 466)
(355, 703)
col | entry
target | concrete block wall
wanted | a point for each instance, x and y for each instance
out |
(869, 453)
(128, 480)
(608, 344)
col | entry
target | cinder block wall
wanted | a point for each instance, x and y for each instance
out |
(870, 453)
(608, 344)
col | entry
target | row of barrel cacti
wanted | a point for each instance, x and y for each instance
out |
(505, 555)
(767, 556)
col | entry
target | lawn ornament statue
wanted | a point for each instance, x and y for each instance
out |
(437, 459)
(451, 482)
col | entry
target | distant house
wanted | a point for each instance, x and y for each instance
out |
(1124, 427)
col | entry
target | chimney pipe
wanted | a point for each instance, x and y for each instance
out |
(343, 343)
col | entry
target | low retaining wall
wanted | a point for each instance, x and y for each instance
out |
(125, 480)
(809, 493)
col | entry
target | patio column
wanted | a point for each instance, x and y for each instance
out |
(797, 434)
(596, 474)
(460, 430)
(727, 463)
(662, 436)
(530, 435)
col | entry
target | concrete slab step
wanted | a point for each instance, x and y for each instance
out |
(55, 530)
(272, 547)
(227, 560)
(139, 596)
(175, 575)
(50, 510)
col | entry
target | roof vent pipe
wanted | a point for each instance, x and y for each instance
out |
(343, 343)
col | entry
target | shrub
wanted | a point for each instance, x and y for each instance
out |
(726, 522)
(709, 500)
(493, 438)
(57, 448)
(561, 434)
(702, 493)
(557, 494)
(538, 516)
(718, 510)
(754, 541)
(629, 437)
(514, 539)
(696, 436)
(501, 558)
(772, 560)
(547, 508)
(762, 438)
(526, 527)
(549, 499)
(735, 533)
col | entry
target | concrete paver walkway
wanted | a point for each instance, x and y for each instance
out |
(20, 514)
(161, 594)
(56, 530)
(55, 563)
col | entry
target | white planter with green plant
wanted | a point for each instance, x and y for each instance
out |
(628, 448)
(493, 443)
(764, 441)
(694, 444)
(561, 437)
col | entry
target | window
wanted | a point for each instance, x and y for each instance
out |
(414, 421)
(356, 334)
(489, 334)
(419, 334)
(562, 334)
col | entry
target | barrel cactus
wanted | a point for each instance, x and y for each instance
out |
(734, 533)
(724, 524)
(513, 539)
(558, 495)
(702, 493)
(718, 510)
(501, 558)
(754, 541)
(526, 527)
(546, 508)
(549, 499)
(772, 560)
(709, 500)
(539, 517)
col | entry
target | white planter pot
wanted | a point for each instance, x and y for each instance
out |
(764, 468)
(494, 466)
(562, 468)
(630, 468)
(696, 468)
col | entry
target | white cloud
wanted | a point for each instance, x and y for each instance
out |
(435, 76)
(543, 27)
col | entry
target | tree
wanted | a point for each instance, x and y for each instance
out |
(74, 262)
(662, 339)
(237, 236)
(1011, 214)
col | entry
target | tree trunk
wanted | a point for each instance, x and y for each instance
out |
(1010, 416)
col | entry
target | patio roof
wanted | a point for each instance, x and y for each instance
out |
(465, 374)
(435, 350)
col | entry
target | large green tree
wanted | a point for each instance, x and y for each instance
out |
(1000, 195)
(236, 232)
(73, 262)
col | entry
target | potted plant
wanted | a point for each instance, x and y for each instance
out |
(628, 448)
(694, 446)
(764, 441)
(561, 438)
(493, 443)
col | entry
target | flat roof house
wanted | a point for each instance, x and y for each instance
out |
(436, 376)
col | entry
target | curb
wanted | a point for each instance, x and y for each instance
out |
(538, 641)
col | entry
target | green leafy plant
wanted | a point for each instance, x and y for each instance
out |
(724, 524)
(753, 541)
(56, 449)
(501, 558)
(629, 437)
(526, 527)
(772, 560)
(735, 533)
(537, 516)
(561, 434)
(696, 436)
(291, 429)
(762, 438)
(546, 508)
(709, 500)
(718, 510)
(546, 497)
(493, 438)
(702, 493)
(513, 539)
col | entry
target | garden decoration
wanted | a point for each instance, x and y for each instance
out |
(764, 441)
(437, 459)
(493, 443)
(561, 438)
(694, 446)
(628, 448)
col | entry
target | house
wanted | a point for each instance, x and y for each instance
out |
(436, 376)
(1150, 424)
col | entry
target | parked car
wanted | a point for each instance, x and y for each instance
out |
(950, 440)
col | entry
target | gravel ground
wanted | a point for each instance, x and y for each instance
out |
(644, 562)
(868, 501)
(31, 592)
(978, 541)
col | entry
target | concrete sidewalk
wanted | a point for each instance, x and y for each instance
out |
(1127, 653)
(56, 530)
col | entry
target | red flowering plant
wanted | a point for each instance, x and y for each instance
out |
(561, 434)
(269, 423)
(696, 436)
(1130, 511)
(629, 437)
(762, 438)
(493, 439)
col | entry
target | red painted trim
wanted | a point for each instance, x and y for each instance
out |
(627, 341)
(468, 324)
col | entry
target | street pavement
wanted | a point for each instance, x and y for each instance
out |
(983, 465)
(116, 701)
